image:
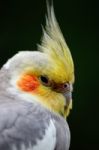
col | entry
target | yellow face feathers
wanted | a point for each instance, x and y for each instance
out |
(49, 74)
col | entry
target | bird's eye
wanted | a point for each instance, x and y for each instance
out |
(44, 80)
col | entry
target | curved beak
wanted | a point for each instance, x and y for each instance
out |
(68, 96)
(65, 90)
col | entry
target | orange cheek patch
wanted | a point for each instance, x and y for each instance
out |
(28, 83)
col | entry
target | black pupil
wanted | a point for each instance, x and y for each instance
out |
(44, 79)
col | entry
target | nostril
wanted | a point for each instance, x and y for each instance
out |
(66, 85)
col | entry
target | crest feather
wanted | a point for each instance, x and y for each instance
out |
(52, 41)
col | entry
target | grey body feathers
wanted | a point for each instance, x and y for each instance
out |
(23, 122)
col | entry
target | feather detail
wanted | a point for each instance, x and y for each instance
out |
(53, 42)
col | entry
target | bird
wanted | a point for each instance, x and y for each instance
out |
(36, 93)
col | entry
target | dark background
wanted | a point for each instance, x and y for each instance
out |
(20, 29)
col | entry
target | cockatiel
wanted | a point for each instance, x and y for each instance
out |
(36, 94)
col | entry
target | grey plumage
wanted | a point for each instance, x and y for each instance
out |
(26, 122)
(23, 122)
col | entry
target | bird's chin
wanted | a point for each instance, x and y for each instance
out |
(67, 108)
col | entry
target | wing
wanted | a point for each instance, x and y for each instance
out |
(62, 134)
(24, 126)
(27, 126)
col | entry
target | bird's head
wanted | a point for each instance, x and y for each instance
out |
(46, 75)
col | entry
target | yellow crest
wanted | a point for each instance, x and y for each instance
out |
(54, 45)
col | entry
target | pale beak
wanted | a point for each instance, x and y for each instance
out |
(66, 89)
(68, 96)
